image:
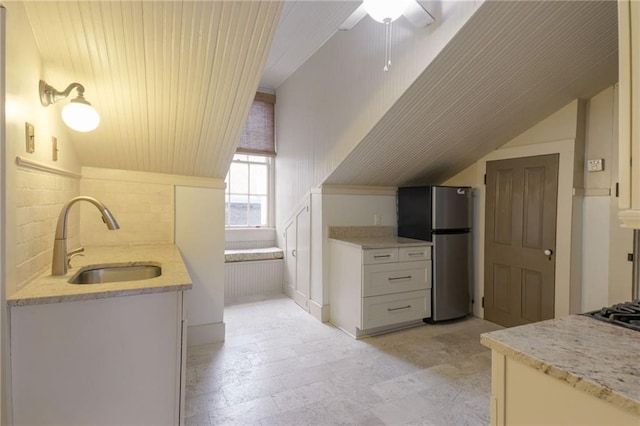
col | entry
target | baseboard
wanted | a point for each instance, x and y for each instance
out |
(205, 334)
(288, 290)
(318, 311)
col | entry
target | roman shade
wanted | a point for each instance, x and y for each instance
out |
(258, 133)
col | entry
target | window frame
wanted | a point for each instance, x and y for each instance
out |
(269, 162)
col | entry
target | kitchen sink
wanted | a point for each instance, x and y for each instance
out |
(115, 273)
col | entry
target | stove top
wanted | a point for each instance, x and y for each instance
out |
(623, 314)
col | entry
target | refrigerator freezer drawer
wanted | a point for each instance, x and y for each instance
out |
(410, 254)
(378, 311)
(396, 277)
(373, 256)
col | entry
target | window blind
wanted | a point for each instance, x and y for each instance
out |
(258, 136)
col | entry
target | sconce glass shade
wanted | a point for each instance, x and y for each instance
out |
(80, 115)
(385, 10)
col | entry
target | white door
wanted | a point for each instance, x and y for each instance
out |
(303, 257)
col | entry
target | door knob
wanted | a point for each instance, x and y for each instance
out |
(548, 252)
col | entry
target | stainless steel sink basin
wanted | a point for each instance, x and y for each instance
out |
(115, 273)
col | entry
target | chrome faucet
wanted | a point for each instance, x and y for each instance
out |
(59, 263)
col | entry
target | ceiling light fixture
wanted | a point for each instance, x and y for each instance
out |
(78, 114)
(385, 11)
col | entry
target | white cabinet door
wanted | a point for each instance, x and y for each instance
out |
(629, 110)
(303, 257)
(290, 237)
(113, 361)
(298, 257)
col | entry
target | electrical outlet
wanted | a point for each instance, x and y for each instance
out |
(54, 148)
(596, 165)
(30, 137)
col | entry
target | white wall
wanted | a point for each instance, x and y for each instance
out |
(333, 100)
(200, 238)
(34, 198)
(144, 210)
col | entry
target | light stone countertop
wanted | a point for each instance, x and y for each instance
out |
(592, 356)
(382, 242)
(56, 289)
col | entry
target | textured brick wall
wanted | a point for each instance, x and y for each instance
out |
(40, 197)
(144, 211)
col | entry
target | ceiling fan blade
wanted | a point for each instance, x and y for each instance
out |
(418, 15)
(353, 19)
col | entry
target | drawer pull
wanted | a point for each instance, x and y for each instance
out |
(420, 253)
(408, 277)
(398, 309)
(382, 256)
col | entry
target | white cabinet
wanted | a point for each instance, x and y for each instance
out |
(522, 395)
(629, 111)
(111, 361)
(375, 290)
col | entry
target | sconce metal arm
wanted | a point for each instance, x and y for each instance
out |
(49, 95)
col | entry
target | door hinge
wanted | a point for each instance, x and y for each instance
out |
(630, 257)
(617, 189)
(483, 301)
(485, 179)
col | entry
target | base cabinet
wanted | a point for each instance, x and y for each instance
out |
(373, 290)
(522, 395)
(113, 361)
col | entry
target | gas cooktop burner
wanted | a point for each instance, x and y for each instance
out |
(623, 314)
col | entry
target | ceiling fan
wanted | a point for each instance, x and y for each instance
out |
(387, 11)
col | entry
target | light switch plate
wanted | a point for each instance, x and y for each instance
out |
(596, 165)
(30, 137)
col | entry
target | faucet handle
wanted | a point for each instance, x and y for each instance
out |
(73, 253)
(71, 257)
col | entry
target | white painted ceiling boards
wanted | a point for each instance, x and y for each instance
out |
(510, 66)
(172, 80)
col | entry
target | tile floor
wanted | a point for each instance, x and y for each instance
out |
(280, 366)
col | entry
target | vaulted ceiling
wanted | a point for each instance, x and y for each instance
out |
(172, 80)
(510, 66)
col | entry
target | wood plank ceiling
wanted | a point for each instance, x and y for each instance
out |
(172, 80)
(510, 66)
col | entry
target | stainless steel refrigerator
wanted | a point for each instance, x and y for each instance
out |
(442, 215)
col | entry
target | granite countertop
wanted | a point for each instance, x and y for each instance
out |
(382, 242)
(592, 356)
(56, 289)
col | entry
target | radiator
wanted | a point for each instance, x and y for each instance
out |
(256, 278)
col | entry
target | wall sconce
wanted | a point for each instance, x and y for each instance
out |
(78, 114)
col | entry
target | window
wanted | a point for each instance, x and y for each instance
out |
(249, 181)
(247, 194)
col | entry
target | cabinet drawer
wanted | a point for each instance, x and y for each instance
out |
(373, 256)
(378, 311)
(409, 254)
(395, 277)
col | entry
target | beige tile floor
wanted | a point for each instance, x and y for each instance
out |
(280, 366)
